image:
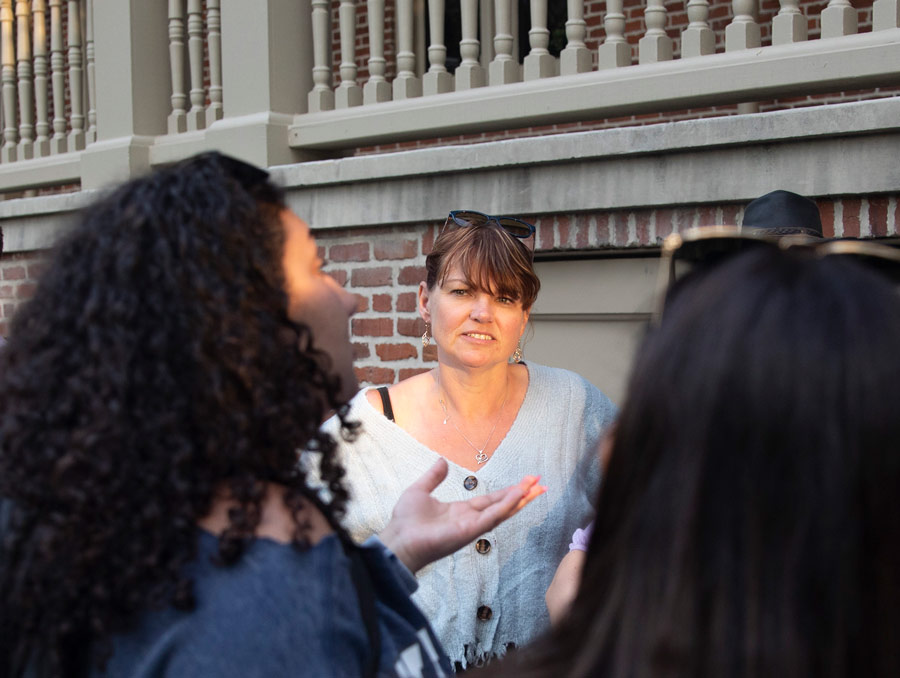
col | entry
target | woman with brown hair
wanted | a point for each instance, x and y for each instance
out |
(492, 419)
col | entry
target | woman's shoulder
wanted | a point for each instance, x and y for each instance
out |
(546, 377)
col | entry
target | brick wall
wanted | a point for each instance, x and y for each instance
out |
(720, 15)
(383, 266)
(19, 273)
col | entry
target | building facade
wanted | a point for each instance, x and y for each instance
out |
(609, 124)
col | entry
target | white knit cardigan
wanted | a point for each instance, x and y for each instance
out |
(555, 435)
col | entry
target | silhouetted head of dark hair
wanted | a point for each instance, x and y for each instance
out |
(748, 522)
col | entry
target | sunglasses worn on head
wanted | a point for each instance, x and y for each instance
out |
(513, 226)
(706, 246)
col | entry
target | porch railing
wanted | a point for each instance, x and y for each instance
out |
(94, 90)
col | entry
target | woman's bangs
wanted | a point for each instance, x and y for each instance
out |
(489, 269)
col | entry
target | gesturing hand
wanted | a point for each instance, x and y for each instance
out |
(423, 529)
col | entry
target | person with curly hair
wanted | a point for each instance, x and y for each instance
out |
(180, 350)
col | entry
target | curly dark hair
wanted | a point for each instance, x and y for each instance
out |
(155, 364)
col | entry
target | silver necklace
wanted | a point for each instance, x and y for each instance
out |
(480, 456)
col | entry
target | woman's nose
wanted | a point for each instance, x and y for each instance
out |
(481, 308)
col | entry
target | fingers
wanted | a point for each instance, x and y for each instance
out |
(506, 503)
(533, 493)
(433, 476)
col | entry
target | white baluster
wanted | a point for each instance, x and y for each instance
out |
(8, 79)
(377, 88)
(321, 97)
(91, 75)
(196, 117)
(656, 45)
(615, 50)
(177, 120)
(437, 80)
(406, 84)
(76, 84)
(838, 19)
(348, 93)
(885, 14)
(743, 31)
(58, 143)
(789, 25)
(539, 63)
(697, 39)
(470, 72)
(41, 71)
(25, 77)
(504, 68)
(486, 29)
(214, 111)
(576, 57)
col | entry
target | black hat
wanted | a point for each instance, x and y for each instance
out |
(783, 213)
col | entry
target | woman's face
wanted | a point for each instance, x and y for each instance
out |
(316, 300)
(471, 327)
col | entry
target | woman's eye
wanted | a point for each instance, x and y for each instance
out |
(458, 292)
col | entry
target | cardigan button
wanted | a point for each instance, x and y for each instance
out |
(484, 613)
(470, 483)
(482, 546)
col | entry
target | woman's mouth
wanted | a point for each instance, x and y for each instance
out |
(476, 335)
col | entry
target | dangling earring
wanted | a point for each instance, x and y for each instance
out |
(425, 338)
(517, 356)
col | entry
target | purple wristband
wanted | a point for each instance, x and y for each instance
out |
(581, 538)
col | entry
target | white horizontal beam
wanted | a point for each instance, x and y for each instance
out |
(829, 65)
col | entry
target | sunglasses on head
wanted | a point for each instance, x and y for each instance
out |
(707, 246)
(464, 218)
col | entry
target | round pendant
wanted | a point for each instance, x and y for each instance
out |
(481, 457)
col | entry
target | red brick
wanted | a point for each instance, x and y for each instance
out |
(360, 350)
(362, 303)
(4, 329)
(620, 228)
(372, 327)
(381, 303)
(851, 217)
(406, 301)
(562, 227)
(582, 227)
(36, 269)
(878, 211)
(7, 292)
(408, 372)
(396, 351)
(411, 275)
(320, 251)
(706, 216)
(374, 375)
(642, 226)
(730, 213)
(544, 233)
(14, 273)
(897, 217)
(429, 354)
(25, 291)
(602, 228)
(9, 310)
(358, 251)
(428, 238)
(339, 276)
(410, 327)
(370, 277)
(826, 213)
(395, 249)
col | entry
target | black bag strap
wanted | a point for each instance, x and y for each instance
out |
(386, 402)
(362, 582)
